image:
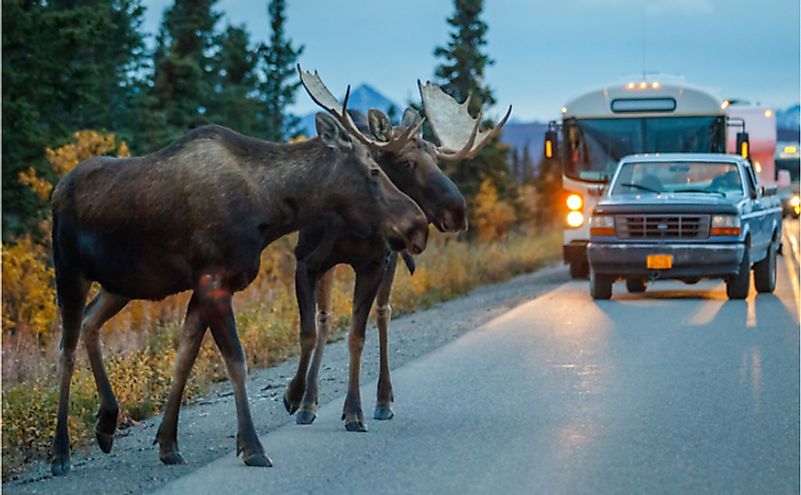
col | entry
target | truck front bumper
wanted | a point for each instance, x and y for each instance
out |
(689, 260)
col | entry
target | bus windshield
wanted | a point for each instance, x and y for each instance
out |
(594, 146)
(678, 177)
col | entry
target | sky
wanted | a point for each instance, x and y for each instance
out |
(545, 52)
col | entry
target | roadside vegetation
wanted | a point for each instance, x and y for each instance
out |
(80, 81)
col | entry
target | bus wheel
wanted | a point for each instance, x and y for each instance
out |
(636, 285)
(600, 285)
(579, 269)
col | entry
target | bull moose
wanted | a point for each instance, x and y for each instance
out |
(412, 166)
(196, 216)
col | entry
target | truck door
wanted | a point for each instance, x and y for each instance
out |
(757, 220)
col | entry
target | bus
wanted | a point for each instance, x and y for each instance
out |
(600, 127)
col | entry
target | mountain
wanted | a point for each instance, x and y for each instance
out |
(363, 98)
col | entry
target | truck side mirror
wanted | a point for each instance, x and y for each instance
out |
(551, 144)
(769, 190)
(743, 145)
(783, 179)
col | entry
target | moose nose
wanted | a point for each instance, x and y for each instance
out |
(417, 238)
(454, 216)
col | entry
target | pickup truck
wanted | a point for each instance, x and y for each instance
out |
(687, 217)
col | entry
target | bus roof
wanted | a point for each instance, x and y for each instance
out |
(643, 99)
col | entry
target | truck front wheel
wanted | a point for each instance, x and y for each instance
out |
(765, 272)
(600, 285)
(636, 285)
(737, 286)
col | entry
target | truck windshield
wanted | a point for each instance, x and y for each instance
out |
(594, 146)
(678, 177)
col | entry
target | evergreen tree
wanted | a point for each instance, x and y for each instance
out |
(461, 75)
(278, 89)
(184, 78)
(235, 103)
(66, 66)
(462, 71)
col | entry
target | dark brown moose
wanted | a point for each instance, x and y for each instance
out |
(412, 166)
(195, 216)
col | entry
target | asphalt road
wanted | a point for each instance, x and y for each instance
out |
(675, 391)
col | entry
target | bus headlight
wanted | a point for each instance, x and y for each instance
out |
(574, 202)
(602, 225)
(725, 225)
(575, 219)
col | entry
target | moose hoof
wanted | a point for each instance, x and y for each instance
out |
(357, 426)
(104, 441)
(290, 405)
(172, 458)
(257, 460)
(383, 413)
(305, 417)
(60, 466)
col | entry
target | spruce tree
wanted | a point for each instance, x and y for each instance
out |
(67, 66)
(235, 103)
(184, 79)
(461, 74)
(280, 85)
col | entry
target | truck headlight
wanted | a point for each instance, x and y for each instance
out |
(725, 225)
(795, 201)
(602, 225)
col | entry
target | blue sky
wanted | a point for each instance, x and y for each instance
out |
(545, 52)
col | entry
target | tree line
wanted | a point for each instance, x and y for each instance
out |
(71, 65)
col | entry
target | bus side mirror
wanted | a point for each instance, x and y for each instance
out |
(743, 145)
(551, 144)
(783, 179)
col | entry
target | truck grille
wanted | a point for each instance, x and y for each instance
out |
(662, 226)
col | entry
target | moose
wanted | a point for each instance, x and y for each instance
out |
(196, 216)
(412, 166)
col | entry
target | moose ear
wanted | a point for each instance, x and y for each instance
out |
(380, 125)
(411, 118)
(331, 132)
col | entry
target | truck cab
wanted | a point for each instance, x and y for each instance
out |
(685, 216)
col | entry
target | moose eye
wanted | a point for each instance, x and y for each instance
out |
(408, 164)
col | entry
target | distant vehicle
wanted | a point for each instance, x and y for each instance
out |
(789, 166)
(600, 127)
(687, 217)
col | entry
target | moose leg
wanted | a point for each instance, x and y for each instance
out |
(191, 337)
(71, 300)
(367, 282)
(102, 308)
(304, 290)
(220, 317)
(308, 408)
(383, 405)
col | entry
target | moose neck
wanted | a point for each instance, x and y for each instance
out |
(298, 185)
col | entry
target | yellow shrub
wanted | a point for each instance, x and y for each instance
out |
(493, 216)
(29, 299)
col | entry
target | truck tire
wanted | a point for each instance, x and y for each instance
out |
(738, 286)
(636, 285)
(579, 269)
(765, 272)
(600, 285)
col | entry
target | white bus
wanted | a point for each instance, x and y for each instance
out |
(600, 127)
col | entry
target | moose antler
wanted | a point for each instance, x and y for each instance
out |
(323, 97)
(457, 132)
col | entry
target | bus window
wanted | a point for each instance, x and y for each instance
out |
(684, 135)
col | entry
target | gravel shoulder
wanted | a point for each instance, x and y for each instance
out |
(207, 427)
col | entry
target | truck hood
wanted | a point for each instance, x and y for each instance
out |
(668, 203)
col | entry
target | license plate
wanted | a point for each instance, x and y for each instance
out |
(659, 262)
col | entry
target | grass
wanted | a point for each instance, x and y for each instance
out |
(140, 342)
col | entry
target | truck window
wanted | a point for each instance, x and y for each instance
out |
(751, 181)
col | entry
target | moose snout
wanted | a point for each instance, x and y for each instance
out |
(453, 216)
(417, 237)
